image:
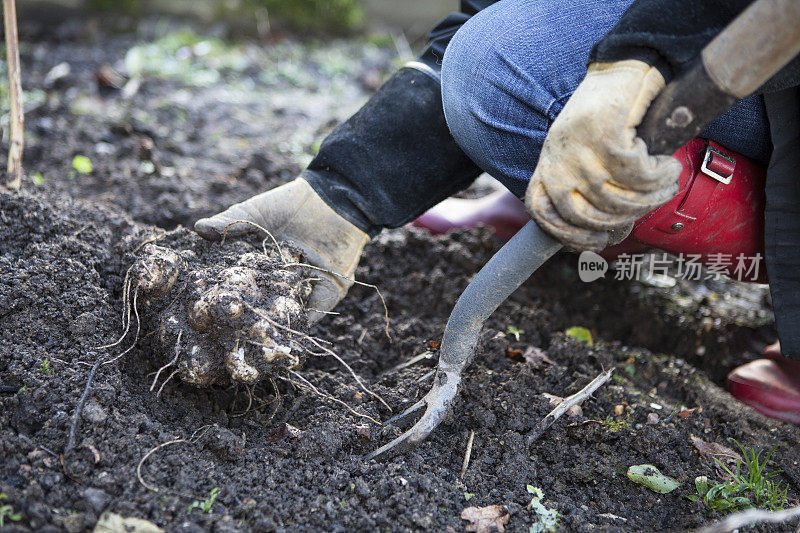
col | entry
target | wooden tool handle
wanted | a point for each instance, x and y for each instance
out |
(747, 53)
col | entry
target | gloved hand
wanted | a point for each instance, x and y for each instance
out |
(295, 212)
(594, 177)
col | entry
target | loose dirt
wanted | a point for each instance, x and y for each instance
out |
(285, 459)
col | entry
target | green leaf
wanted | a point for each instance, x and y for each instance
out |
(37, 178)
(701, 484)
(652, 478)
(82, 164)
(468, 496)
(581, 334)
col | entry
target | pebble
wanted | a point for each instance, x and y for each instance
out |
(94, 413)
(96, 498)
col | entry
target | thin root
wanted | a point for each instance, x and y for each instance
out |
(148, 241)
(161, 388)
(191, 440)
(174, 360)
(126, 310)
(374, 287)
(249, 403)
(307, 384)
(138, 330)
(330, 352)
(265, 230)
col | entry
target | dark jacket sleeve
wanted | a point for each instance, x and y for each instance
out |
(441, 34)
(670, 34)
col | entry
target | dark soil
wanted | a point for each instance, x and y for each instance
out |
(284, 459)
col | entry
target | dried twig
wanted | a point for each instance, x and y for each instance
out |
(750, 516)
(565, 404)
(17, 126)
(74, 424)
(468, 453)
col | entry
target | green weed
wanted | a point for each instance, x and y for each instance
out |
(548, 518)
(749, 486)
(45, 367)
(207, 505)
(6, 511)
(612, 425)
(328, 15)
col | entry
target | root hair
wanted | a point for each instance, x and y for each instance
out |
(305, 384)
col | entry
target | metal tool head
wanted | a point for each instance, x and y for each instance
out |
(437, 404)
(501, 276)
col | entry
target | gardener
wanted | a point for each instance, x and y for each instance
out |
(502, 88)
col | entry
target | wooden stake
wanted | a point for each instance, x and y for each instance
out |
(17, 128)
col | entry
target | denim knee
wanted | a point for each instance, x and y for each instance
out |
(509, 70)
(507, 73)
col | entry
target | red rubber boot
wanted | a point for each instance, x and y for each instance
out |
(770, 386)
(501, 210)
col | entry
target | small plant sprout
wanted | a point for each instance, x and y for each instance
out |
(748, 487)
(548, 518)
(468, 496)
(45, 367)
(207, 505)
(514, 331)
(7, 511)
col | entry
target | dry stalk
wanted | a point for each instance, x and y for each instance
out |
(17, 117)
(750, 516)
(565, 404)
(467, 453)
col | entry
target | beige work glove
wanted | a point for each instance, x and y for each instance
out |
(594, 177)
(294, 212)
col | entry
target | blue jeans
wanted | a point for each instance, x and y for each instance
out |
(509, 70)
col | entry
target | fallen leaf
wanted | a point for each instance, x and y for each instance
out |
(363, 431)
(536, 356)
(580, 334)
(552, 399)
(686, 413)
(484, 519)
(711, 450)
(652, 478)
(513, 353)
(285, 431)
(114, 523)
